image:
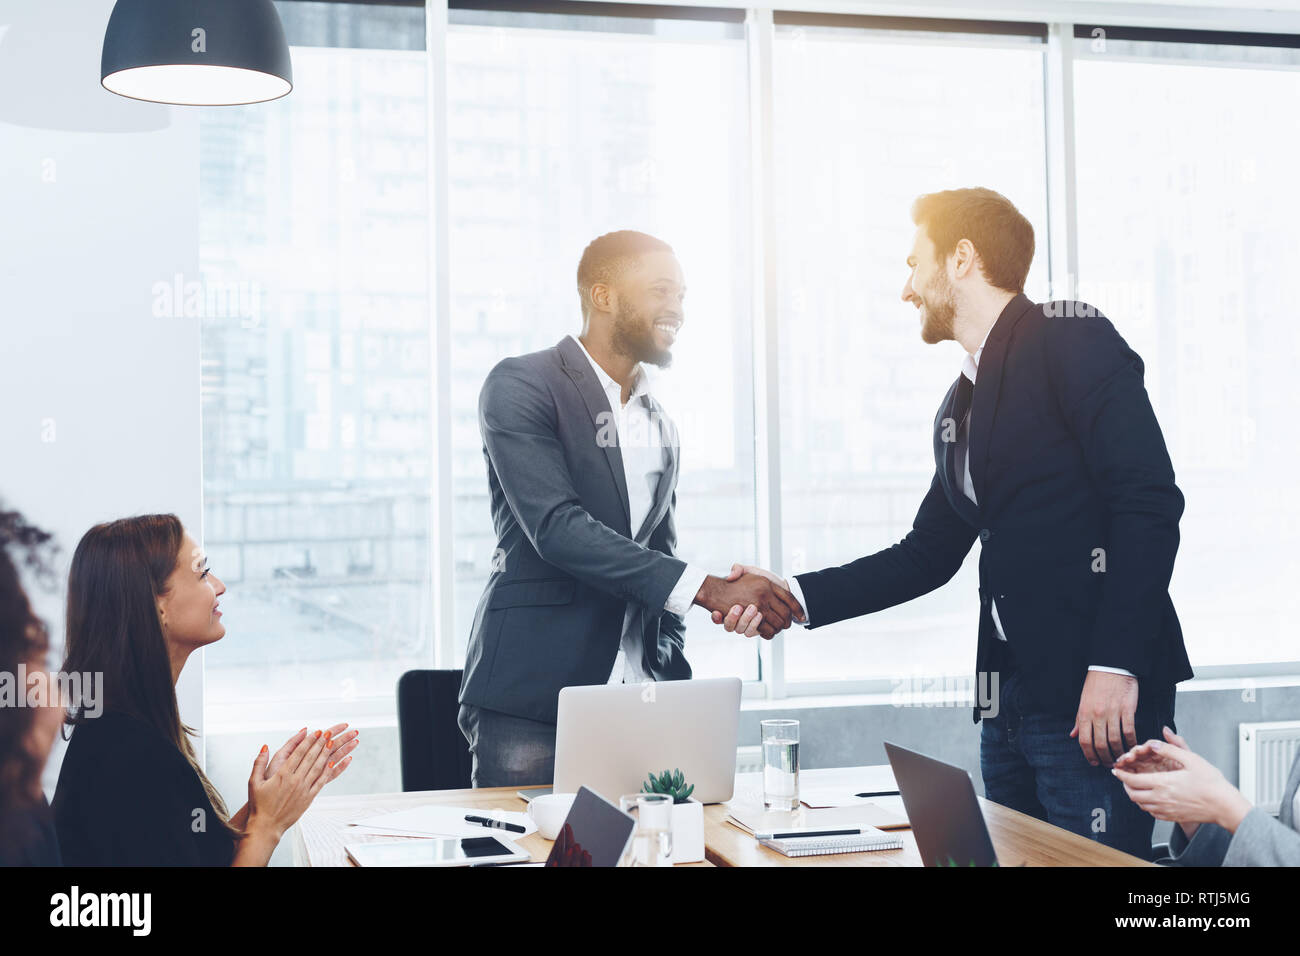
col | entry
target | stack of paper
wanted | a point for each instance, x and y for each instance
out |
(818, 797)
(753, 818)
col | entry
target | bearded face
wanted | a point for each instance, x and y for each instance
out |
(645, 336)
(649, 313)
(929, 290)
(938, 307)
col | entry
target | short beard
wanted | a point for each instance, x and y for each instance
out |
(940, 309)
(634, 337)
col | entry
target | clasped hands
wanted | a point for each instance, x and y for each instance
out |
(750, 601)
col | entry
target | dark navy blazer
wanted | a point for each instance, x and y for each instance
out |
(1078, 513)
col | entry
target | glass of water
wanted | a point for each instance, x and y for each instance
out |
(652, 840)
(780, 764)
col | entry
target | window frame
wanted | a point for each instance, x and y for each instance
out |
(1055, 21)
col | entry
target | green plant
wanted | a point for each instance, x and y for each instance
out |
(672, 784)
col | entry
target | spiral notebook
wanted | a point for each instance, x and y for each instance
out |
(793, 843)
(750, 816)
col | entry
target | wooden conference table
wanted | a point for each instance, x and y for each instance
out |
(1018, 839)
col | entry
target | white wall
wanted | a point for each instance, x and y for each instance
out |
(99, 400)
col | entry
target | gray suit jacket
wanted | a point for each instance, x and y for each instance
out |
(1259, 841)
(551, 615)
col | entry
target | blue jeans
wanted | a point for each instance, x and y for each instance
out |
(1031, 764)
(508, 751)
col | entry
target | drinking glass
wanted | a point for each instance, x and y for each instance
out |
(652, 840)
(780, 764)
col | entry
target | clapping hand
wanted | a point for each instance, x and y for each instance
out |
(339, 744)
(1170, 782)
(1150, 757)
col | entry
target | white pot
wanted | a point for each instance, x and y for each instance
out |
(688, 832)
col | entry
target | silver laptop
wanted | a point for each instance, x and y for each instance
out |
(611, 737)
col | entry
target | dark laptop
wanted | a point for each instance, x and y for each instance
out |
(595, 833)
(942, 809)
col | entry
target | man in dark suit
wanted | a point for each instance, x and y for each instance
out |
(1055, 461)
(582, 470)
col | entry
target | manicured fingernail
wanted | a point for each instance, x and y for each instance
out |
(263, 748)
(331, 765)
(303, 731)
(318, 733)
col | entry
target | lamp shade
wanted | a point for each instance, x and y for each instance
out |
(196, 52)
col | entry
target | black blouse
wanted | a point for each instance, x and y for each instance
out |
(127, 797)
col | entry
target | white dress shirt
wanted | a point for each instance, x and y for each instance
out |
(645, 458)
(970, 368)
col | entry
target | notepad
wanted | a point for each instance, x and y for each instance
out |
(869, 839)
(752, 818)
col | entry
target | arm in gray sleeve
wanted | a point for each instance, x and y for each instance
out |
(1261, 840)
(518, 422)
(1206, 847)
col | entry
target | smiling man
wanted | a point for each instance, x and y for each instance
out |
(1047, 450)
(582, 471)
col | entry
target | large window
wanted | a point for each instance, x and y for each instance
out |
(865, 121)
(316, 345)
(560, 131)
(1187, 201)
(320, 284)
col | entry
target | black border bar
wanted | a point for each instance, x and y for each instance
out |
(918, 24)
(365, 3)
(1286, 41)
(649, 11)
(637, 11)
(632, 11)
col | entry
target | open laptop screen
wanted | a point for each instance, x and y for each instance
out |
(595, 833)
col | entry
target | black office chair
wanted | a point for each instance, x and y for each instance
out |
(435, 754)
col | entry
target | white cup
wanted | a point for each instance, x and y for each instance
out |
(549, 811)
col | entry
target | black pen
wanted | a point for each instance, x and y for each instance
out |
(496, 824)
(800, 834)
(880, 793)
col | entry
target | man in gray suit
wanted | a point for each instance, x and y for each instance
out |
(582, 469)
(1217, 826)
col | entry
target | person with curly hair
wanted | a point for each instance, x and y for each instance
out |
(27, 727)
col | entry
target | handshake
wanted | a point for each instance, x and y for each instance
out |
(751, 601)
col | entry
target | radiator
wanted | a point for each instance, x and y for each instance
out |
(1267, 752)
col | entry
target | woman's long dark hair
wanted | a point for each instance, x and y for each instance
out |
(119, 570)
(23, 640)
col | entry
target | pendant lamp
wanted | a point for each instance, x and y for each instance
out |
(196, 52)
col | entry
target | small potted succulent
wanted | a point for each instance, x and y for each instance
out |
(688, 815)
